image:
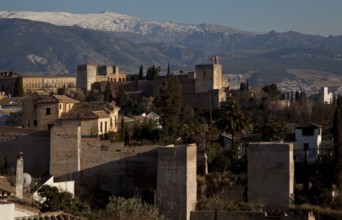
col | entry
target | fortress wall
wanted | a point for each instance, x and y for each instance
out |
(271, 174)
(177, 181)
(34, 144)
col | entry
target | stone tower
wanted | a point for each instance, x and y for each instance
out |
(271, 174)
(19, 177)
(65, 162)
(86, 76)
(176, 181)
(208, 76)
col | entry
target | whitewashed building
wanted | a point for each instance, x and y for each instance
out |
(308, 139)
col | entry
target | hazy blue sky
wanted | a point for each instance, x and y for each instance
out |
(307, 16)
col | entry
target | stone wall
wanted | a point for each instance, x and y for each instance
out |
(34, 144)
(225, 215)
(114, 167)
(65, 152)
(176, 181)
(271, 174)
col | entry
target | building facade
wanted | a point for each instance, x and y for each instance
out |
(326, 97)
(95, 118)
(49, 82)
(308, 140)
(41, 110)
(88, 74)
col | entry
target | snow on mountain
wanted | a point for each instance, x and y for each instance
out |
(110, 21)
(36, 59)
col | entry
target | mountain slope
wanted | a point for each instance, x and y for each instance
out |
(36, 47)
(109, 21)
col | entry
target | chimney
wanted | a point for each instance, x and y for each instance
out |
(19, 180)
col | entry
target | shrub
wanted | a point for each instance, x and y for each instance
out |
(131, 209)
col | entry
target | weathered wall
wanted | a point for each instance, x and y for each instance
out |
(176, 181)
(115, 167)
(86, 76)
(65, 152)
(226, 215)
(34, 144)
(110, 166)
(204, 77)
(271, 174)
(44, 119)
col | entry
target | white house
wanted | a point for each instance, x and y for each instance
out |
(326, 97)
(308, 139)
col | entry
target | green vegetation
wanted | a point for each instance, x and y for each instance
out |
(169, 103)
(141, 72)
(153, 72)
(62, 201)
(129, 209)
(18, 87)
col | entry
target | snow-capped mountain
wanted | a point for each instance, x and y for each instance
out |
(110, 21)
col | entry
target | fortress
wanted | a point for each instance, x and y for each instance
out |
(204, 88)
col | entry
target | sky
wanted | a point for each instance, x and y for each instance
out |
(323, 17)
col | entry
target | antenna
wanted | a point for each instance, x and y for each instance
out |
(27, 181)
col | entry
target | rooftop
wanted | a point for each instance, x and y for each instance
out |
(90, 110)
(41, 96)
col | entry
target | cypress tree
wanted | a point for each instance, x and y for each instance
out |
(122, 129)
(126, 136)
(141, 72)
(168, 68)
(337, 134)
(108, 96)
(18, 87)
(170, 99)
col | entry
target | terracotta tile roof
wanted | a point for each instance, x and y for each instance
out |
(5, 188)
(101, 114)
(89, 110)
(51, 216)
(44, 97)
(63, 98)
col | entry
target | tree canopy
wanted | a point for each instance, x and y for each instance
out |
(170, 103)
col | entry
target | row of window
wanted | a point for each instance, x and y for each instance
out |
(120, 79)
(39, 85)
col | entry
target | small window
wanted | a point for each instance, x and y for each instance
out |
(308, 132)
(35, 123)
(48, 111)
(105, 127)
(306, 146)
(60, 106)
(101, 126)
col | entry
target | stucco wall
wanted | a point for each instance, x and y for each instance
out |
(6, 210)
(271, 174)
(314, 142)
(44, 119)
(89, 127)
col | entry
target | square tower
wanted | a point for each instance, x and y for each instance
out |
(86, 76)
(208, 77)
(176, 181)
(271, 174)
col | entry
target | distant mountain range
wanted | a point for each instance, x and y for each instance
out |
(55, 42)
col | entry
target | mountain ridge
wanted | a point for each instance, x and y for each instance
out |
(43, 48)
(116, 22)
